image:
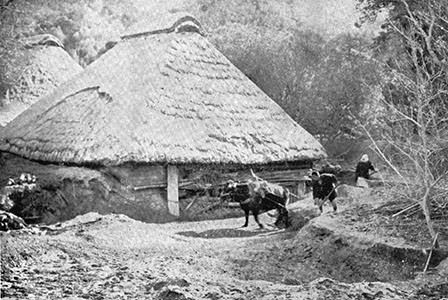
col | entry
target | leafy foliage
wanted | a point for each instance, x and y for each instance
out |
(340, 89)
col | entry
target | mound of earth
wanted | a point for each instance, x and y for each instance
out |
(353, 245)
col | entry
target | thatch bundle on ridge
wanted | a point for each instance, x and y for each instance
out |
(161, 96)
(47, 66)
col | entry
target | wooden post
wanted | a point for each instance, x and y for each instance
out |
(301, 188)
(173, 190)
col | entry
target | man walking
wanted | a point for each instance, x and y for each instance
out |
(362, 171)
(324, 188)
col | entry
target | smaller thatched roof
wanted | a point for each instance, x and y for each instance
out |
(164, 95)
(48, 65)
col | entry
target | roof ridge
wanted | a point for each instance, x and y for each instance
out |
(44, 39)
(187, 23)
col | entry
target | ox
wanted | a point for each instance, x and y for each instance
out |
(259, 196)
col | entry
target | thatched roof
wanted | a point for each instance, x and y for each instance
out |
(167, 96)
(49, 66)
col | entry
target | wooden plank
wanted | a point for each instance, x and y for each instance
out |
(139, 175)
(233, 205)
(150, 186)
(406, 209)
(173, 190)
(434, 243)
(285, 177)
(191, 204)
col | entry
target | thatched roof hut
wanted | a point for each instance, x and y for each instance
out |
(163, 99)
(48, 65)
(164, 96)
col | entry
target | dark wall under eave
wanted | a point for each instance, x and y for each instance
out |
(65, 191)
(136, 190)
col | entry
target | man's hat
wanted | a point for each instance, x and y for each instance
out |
(315, 173)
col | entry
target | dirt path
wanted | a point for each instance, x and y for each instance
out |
(115, 257)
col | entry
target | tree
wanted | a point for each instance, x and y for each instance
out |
(416, 91)
(8, 47)
(340, 87)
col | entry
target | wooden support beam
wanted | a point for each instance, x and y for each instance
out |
(301, 188)
(173, 190)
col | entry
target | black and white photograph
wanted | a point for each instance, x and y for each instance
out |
(224, 149)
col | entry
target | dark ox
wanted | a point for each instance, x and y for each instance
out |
(253, 197)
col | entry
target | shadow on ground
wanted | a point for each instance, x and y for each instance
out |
(227, 233)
